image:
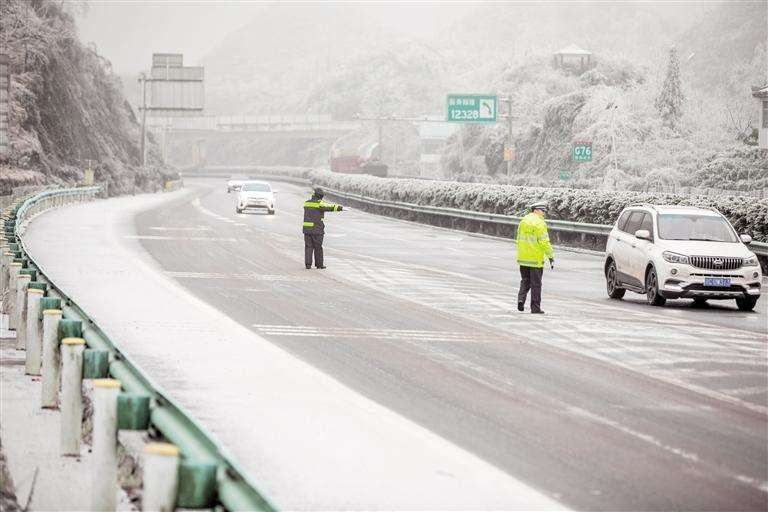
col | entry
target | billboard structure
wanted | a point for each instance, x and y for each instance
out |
(169, 90)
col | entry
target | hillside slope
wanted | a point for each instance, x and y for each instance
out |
(66, 107)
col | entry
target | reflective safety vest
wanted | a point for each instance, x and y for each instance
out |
(314, 211)
(533, 242)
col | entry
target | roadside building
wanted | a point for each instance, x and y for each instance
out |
(573, 58)
(761, 96)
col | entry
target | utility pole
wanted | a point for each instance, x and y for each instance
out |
(613, 135)
(509, 135)
(143, 80)
(507, 150)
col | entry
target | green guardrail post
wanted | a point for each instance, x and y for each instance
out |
(132, 411)
(37, 285)
(48, 303)
(197, 484)
(70, 329)
(95, 364)
(30, 272)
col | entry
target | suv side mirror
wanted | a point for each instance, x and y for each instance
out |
(746, 239)
(643, 234)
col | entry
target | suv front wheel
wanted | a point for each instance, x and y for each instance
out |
(612, 282)
(746, 303)
(652, 288)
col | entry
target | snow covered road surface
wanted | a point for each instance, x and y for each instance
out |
(311, 442)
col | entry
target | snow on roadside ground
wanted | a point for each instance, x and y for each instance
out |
(308, 441)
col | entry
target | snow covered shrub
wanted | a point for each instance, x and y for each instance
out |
(748, 215)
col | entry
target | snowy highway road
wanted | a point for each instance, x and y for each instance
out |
(602, 404)
(599, 405)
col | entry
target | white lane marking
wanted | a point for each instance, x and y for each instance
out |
(593, 330)
(246, 276)
(760, 485)
(352, 332)
(188, 238)
(205, 211)
(755, 390)
(180, 228)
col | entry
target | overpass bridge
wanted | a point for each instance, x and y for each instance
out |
(198, 132)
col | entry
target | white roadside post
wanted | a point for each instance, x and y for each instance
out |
(20, 310)
(13, 269)
(34, 341)
(5, 258)
(104, 484)
(71, 395)
(161, 477)
(51, 359)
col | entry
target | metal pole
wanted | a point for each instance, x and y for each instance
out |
(143, 118)
(509, 134)
(613, 137)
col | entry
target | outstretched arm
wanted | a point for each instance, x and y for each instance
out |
(330, 207)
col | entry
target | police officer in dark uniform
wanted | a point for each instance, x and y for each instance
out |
(314, 228)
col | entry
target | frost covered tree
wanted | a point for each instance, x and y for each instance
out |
(669, 103)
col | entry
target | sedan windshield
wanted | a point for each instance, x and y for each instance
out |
(256, 187)
(689, 226)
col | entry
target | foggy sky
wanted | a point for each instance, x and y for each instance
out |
(127, 32)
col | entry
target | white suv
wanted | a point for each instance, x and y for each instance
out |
(671, 252)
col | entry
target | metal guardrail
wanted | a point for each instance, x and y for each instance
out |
(759, 248)
(234, 488)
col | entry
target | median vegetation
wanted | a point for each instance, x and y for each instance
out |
(747, 214)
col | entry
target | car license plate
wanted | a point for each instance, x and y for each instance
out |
(722, 282)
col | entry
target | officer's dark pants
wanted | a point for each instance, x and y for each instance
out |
(530, 280)
(313, 244)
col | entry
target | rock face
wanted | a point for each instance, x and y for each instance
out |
(66, 107)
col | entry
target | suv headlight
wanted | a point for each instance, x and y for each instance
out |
(673, 257)
(750, 261)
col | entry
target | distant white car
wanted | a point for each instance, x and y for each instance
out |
(670, 252)
(234, 185)
(256, 194)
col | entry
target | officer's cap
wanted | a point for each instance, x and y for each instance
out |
(540, 205)
(319, 192)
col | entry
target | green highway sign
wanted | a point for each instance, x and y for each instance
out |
(565, 174)
(581, 152)
(472, 108)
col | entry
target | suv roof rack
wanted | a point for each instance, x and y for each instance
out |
(648, 205)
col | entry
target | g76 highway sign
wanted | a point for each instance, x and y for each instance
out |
(582, 151)
(472, 108)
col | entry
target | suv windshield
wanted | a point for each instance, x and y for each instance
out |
(689, 226)
(256, 187)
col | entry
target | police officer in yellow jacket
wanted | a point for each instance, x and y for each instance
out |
(532, 247)
(314, 228)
